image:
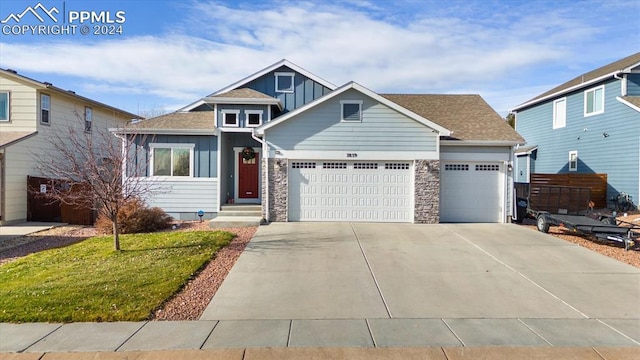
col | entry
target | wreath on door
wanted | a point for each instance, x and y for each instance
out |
(248, 153)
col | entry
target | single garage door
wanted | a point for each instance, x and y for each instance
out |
(350, 191)
(471, 192)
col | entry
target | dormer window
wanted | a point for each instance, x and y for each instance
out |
(230, 118)
(253, 118)
(284, 82)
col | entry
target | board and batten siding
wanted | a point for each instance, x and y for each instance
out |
(606, 143)
(205, 157)
(305, 89)
(381, 129)
(183, 198)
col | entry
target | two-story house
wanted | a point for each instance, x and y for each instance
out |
(589, 124)
(31, 112)
(304, 149)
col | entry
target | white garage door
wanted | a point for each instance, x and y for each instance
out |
(350, 191)
(471, 192)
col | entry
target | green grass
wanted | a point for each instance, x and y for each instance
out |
(89, 281)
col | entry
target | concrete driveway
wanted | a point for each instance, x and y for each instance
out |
(432, 285)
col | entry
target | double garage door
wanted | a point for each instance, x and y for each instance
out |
(350, 191)
(380, 191)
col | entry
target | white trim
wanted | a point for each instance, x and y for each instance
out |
(557, 122)
(219, 172)
(8, 92)
(359, 155)
(571, 153)
(529, 168)
(480, 143)
(634, 107)
(291, 75)
(171, 146)
(236, 130)
(593, 90)
(252, 112)
(623, 85)
(242, 101)
(40, 109)
(224, 118)
(161, 179)
(353, 85)
(133, 131)
(527, 151)
(268, 69)
(236, 152)
(351, 102)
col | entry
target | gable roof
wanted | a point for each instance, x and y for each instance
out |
(69, 93)
(468, 117)
(632, 101)
(194, 122)
(243, 93)
(353, 85)
(589, 78)
(268, 69)
(8, 138)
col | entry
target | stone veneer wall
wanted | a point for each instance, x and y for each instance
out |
(427, 192)
(278, 189)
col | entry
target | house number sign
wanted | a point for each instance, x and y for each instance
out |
(352, 155)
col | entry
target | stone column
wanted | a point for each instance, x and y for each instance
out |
(278, 189)
(427, 192)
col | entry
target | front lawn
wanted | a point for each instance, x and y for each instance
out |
(89, 281)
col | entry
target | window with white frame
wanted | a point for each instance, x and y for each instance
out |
(351, 110)
(560, 113)
(45, 109)
(230, 117)
(594, 101)
(253, 118)
(88, 118)
(4, 106)
(284, 81)
(172, 159)
(573, 160)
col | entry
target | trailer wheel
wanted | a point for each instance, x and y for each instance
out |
(542, 224)
(608, 221)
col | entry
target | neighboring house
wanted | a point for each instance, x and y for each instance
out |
(306, 150)
(590, 124)
(31, 111)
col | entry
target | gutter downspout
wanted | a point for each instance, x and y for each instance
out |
(623, 83)
(125, 158)
(265, 175)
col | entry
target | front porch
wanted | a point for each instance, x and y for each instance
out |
(240, 169)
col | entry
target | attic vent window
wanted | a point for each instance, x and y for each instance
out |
(284, 82)
(351, 110)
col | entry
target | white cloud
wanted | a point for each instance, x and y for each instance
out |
(219, 45)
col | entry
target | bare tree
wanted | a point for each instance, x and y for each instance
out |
(86, 171)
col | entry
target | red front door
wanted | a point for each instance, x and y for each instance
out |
(248, 177)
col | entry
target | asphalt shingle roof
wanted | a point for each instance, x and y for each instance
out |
(635, 100)
(244, 93)
(468, 116)
(9, 137)
(195, 120)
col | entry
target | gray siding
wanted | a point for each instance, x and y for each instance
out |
(205, 156)
(633, 84)
(381, 129)
(242, 116)
(305, 89)
(616, 155)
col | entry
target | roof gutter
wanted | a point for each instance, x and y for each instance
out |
(163, 131)
(481, 143)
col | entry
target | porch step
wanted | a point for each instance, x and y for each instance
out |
(222, 221)
(240, 210)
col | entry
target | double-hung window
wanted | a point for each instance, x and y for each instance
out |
(172, 159)
(284, 82)
(45, 109)
(560, 113)
(351, 110)
(573, 160)
(4, 106)
(594, 101)
(88, 118)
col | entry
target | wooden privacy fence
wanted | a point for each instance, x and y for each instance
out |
(597, 183)
(41, 208)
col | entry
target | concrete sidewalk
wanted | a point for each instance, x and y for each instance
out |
(8, 232)
(437, 353)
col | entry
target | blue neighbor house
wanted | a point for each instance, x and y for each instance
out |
(590, 124)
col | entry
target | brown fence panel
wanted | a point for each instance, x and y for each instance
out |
(596, 182)
(40, 208)
(77, 215)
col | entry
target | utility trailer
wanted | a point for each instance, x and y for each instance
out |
(571, 208)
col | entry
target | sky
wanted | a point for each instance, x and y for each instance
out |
(152, 56)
